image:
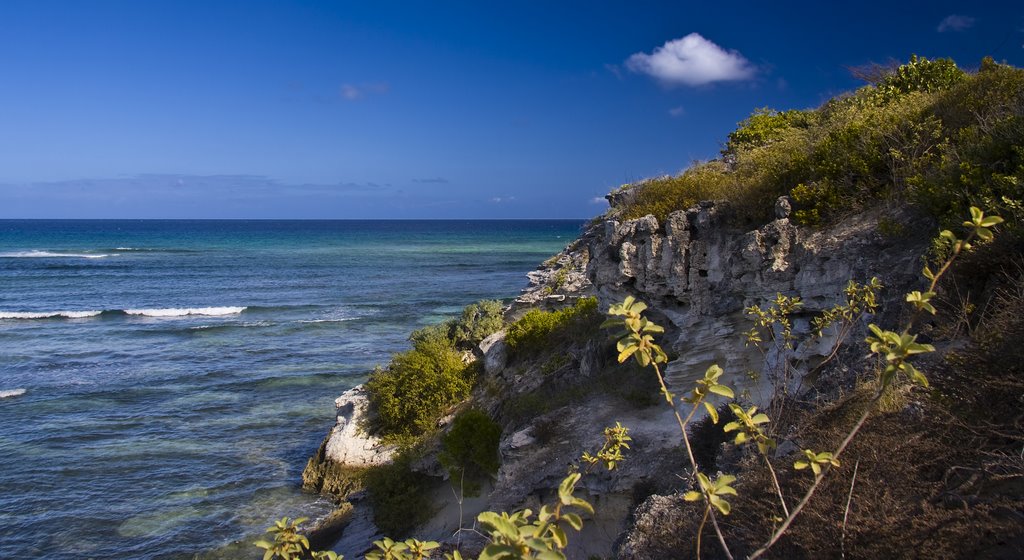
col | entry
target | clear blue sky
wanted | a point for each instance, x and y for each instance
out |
(249, 109)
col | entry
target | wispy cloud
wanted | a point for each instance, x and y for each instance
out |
(354, 92)
(955, 22)
(692, 61)
(435, 180)
(598, 200)
(500, 199)
(676, 112)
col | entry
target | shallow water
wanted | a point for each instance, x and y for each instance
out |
(162, 383)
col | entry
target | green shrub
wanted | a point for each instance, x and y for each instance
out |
(927, 132)
(469, 450)
(920, 75)
(479, 320)
(537, 330)
(420, 385)
(398, 495)
(763, 126)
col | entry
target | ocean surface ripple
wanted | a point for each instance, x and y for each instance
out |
(162, 383)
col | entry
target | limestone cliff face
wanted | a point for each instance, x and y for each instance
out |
(698, 273)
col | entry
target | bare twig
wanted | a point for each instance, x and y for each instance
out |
(846, 512)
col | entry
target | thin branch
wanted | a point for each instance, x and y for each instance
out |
(775, 480)
(817, 480)
(846, 512)
(689, 450)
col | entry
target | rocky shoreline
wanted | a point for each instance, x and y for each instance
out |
(697, 271)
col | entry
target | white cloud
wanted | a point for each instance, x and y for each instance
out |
(352, 92)
(692, 61)
(500, 199)
(676, 112)
(955, 22)
(598, 200)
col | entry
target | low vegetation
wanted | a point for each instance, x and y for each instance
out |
(469, 450)
(927, 133)
(538, 331)
(421, 385)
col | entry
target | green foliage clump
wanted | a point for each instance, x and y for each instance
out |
(927, 133)
(478, 321)
(763, 126)
(919, 74)
(289, 544)
(469, 450)
(399, 495)
(419, 385)
(537, 330)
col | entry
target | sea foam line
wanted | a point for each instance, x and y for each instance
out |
(183, 312)
(48, 314)
(50, 254)
(11, 393)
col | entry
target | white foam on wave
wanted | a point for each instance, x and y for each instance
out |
(47, 314)
(50, 254)
(11, 393)
(184, 312)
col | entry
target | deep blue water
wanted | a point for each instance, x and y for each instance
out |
(178, 374)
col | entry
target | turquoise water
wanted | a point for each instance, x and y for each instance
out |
(162, 383)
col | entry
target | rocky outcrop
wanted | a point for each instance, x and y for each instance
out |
(348, 443)
(346, 450)
(558, 281)
(699, 273)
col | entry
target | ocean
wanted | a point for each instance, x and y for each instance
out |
(162, 383)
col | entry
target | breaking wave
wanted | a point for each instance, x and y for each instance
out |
(186, 311)
(50, 254)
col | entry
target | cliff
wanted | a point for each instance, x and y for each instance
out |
(865, 181)
(697, 272)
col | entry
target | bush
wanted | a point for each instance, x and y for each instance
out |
(537, 330)
(927, 132)
(398, 495)
(479, 320)
(420, 385)
(919, 75)
(469, 450)
(763, 126)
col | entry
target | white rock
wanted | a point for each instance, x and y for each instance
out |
(348, 444)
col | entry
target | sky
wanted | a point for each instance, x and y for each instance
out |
(418, 110)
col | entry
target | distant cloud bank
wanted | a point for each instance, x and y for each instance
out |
(955, 22)
(692, 61)
(435, 180)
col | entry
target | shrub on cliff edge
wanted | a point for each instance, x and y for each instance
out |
(419, 385)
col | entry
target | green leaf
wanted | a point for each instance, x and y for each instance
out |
(722, 390)
(720, 504)
(550, 555)
(495, 551)
(711, 412)
(573, 520)
(692, 496)
(558, 534)
(625, 354)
